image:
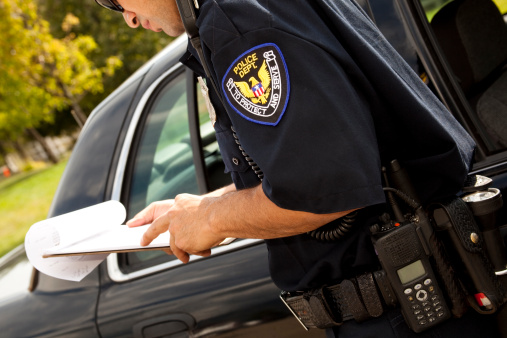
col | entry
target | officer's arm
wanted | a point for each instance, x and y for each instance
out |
(250, 214)
(198, 223)
(157, 209)
(222, 191)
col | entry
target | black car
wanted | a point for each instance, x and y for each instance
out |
(152, 139)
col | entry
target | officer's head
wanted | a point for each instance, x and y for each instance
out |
(157, 15)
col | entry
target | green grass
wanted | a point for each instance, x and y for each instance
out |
(25, 199)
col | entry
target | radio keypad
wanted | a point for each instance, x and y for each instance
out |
(426, 304)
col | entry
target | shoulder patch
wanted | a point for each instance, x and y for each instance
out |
(256, 85)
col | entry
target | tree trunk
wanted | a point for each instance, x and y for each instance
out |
(21, 151)
(79, 117)
(76, 111)
(35, 134)
(3, 153)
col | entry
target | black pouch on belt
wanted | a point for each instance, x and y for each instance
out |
(456, 226)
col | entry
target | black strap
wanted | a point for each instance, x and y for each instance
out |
(188, 17)
(370, 295)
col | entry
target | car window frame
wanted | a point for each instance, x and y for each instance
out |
(446, 86)
(113, 262)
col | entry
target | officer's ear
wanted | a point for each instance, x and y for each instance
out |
(131, 19)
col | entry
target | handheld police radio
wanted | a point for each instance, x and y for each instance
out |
(405, 259)
(404, 252)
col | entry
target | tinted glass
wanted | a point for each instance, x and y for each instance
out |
(164, 164)
(215, 168)
(473, 39)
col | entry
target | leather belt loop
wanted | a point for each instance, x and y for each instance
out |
(353, 301)
(323, 316)
(336, 293)
(368, 290)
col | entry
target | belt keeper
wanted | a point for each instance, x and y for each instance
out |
(311, 309)
(369, 294)
(321, 310)
(353, 301)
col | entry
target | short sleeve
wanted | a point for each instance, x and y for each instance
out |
(308, 127)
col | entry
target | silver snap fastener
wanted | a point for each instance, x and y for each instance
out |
(235, 161)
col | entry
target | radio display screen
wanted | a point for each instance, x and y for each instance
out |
(411, 272)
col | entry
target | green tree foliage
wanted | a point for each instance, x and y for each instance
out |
(39, 73)
(17, 56)
(132, 46)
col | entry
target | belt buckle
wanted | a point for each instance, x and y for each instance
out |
(283, 296)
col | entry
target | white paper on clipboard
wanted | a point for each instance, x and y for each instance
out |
(80, 240)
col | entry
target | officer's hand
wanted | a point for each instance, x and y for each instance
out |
(186, 219)
(150, 213)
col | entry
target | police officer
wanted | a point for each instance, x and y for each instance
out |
(312, 102)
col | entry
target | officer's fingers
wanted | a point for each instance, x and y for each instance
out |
(145, 216)
(150, 213)
(135, 222)
(180, 254)
(160, 225)
(204, 253)
(168, 251)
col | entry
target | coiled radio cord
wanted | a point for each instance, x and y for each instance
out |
(333, 232)
(248, 159)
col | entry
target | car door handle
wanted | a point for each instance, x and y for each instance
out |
(173, 325)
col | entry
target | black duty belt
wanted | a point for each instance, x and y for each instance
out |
(363, 297)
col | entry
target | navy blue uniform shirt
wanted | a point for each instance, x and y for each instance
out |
(320, 101)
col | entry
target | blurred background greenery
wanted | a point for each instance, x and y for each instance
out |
(24, 200)
(58, 60)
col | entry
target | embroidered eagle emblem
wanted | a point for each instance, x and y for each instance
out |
(258, 91)
(256, 85)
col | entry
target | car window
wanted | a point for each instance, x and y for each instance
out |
(163, 164)
(163, 160)
(472, 38)
(215, 168)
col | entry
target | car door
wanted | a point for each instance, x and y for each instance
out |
(170, 148)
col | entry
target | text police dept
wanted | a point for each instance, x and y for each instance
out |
(243, 68)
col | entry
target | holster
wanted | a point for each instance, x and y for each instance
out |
(456, 226)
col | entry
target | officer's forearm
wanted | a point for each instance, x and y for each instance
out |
(222, 191)
(250, 214)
